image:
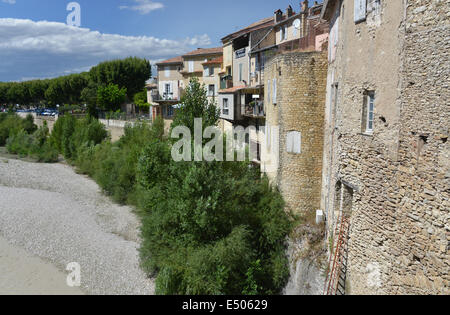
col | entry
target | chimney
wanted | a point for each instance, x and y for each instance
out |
(316, 3)
(278, 16)
(304, 6)
(289, 11)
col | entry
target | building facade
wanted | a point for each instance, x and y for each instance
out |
(386, 152)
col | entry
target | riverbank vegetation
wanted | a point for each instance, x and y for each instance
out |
(207, 227)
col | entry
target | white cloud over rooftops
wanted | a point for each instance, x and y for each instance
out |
(31, 49)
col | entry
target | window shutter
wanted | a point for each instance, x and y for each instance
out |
(191, 66)
(294, 142)
(268, 136)
(360, 10)
(274, 100)
(268, 90)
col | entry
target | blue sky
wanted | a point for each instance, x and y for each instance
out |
(36, 43)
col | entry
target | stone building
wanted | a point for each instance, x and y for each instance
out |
(386, 152)
(295, 106)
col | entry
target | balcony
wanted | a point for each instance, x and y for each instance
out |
(255, 109)
(158, 97)
(226, 82)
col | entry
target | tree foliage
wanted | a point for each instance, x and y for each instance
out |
(111, 97)
(130, 73)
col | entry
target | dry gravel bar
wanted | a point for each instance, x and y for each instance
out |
(61, 217)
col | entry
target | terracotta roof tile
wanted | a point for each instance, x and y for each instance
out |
(233, 89)
(178, 59)
(204, 51)
(214, 61)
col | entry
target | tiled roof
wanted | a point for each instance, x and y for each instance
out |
(214, 61)
(255, 26)
(178, 59)
(204, 51)
(233, 89)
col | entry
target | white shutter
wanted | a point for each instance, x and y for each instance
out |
(167, 71)
(294, 142)
(268, 90)
(274, 96)
(191, 66)
(360, 10)
(268, 136)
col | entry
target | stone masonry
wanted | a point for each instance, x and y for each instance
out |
(301, 86)
(394, 183)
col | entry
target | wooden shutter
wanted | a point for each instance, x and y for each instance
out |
(360, 10)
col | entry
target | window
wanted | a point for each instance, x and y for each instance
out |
(368, 113)
(225, 108)
(169, 111)
(211, 90)
(294, 142)
(241, 70)
(191, 66)
(206, 72)
(211, 71)
(167, 72)
(283, 33)
(168, 91)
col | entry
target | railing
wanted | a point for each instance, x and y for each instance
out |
(256, 109)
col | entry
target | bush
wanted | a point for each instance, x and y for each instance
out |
(114, 165)
(70, 134)
(209, 227)
(11, 124)
(35, 145)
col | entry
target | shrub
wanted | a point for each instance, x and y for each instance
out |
(209, 227)
(35, 145)
(70, 134)
(11, 124)
(114, 165)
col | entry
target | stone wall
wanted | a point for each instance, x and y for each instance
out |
(394, 183)
(301, 85)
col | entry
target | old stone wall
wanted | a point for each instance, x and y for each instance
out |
(393, 183)
(301, 87)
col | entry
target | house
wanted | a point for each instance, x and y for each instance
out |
(170, 87)
(174, 75)
(385, 176)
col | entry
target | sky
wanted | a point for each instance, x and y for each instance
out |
(37, 43)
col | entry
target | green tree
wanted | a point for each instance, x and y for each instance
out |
(131, 73)
(110, 97)
(140, 99)
(195, 104)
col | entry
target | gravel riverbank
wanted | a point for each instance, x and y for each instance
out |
(61, 217)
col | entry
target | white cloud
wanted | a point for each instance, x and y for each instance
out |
(143, 6)
(9, 1)
(31, 49)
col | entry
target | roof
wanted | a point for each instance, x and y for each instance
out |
(175, 60)
(233, 89)
(326, 9)
(215, 61)
(205, 51)
(253, 27)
